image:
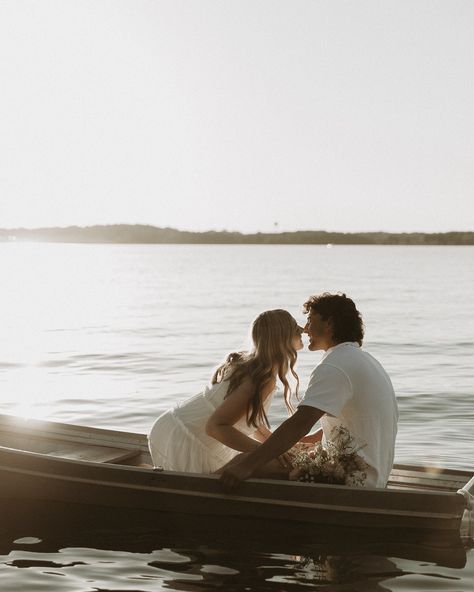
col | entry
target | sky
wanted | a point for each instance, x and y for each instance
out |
(247, 115)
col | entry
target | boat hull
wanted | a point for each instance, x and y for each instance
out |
(71, 464)
(28, 475)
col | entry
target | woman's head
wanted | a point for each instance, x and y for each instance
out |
(276, 335)
(276, 339)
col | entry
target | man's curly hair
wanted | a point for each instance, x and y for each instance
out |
(346, 320)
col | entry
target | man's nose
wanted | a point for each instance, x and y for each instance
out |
(305, 328)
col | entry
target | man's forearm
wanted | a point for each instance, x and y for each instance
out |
(282, 439)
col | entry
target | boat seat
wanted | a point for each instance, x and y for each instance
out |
(98, 454)
(413, 479)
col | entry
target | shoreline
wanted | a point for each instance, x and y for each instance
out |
(143, 234)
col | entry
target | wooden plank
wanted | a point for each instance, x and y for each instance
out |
(428, 476)
(97, 454)
(411, 487)
(67, 448)
(441, 485)
(451, 485)
(71, 432)
(433, 469)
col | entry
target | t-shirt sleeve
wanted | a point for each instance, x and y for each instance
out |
(329, 389)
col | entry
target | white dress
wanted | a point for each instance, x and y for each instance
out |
(178, 439)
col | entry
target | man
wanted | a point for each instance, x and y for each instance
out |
(348, 387)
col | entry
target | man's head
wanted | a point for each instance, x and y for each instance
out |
(332, 319)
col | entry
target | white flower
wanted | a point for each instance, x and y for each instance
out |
(338, 462)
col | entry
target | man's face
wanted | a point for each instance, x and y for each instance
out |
(319, 332)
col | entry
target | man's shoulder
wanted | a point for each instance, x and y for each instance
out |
(354, 357)
(341, 359)
(343, 352)
(328, 369)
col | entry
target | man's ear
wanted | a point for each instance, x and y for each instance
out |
(330, 326)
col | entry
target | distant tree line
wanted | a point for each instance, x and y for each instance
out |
(144, 234)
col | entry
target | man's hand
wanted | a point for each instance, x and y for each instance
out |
(236, 471)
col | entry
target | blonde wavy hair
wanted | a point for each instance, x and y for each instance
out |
(273, 332)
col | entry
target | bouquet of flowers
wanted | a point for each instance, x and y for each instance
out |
(338, 463)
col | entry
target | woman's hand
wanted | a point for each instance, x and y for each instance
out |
(285, 460)
(234, 472)
(314, 438)
(302, 446)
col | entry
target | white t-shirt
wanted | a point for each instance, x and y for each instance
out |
(354, 390)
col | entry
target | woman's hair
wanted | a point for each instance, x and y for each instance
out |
(273, 332)
(345, 319)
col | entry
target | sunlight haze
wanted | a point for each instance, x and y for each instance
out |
(238, 115)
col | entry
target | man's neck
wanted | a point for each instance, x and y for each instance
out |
(332, 344)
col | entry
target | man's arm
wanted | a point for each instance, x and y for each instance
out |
(282, 439)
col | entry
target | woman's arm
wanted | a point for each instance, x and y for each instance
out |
(221, 423)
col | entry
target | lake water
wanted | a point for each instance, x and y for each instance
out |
(111, 335)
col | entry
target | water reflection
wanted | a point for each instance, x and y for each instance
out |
(64, 548)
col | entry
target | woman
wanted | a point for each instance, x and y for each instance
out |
(205, 432)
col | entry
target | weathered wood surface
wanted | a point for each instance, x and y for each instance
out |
(50, 478)
(71, 463)
(425, 480)
(69, 432)
(94, 453)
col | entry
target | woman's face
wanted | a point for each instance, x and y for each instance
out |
(297, 341)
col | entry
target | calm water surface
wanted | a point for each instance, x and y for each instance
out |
(111, 335)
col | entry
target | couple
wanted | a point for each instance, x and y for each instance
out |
(348, 388)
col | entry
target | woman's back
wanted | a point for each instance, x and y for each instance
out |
(178, 439)
(202, 406)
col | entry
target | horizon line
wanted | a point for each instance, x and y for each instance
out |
(225, 231)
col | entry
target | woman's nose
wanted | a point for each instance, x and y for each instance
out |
(305, 328)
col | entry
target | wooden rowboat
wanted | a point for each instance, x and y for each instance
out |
(75, 464)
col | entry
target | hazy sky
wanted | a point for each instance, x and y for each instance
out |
(338, 115)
